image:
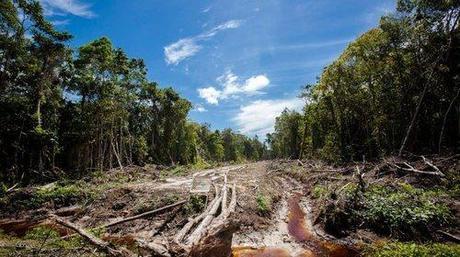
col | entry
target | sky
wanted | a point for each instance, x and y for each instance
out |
(240, 62)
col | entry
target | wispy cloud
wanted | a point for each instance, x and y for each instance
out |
(258, 117)
(60, 22)
(230, 86)
(207, 9)
(187, 47)
(199, 108)
(64, 7)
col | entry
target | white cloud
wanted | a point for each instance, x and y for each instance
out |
(258, 117)
(180, 50)
(210, 94)
(256, 83)
(60, 22)
(199, 108)
(232, 87)
(187, 47)
(63, 7)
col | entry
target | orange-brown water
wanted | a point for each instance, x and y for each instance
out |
(297, 225)
(298, 229)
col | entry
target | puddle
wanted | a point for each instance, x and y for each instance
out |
(261, 252)
(297, 225)
(289, 238)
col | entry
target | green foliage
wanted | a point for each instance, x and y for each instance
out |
(407, 210)
(116, 116)
(392, 89)
(59, 192)
(397, 249)
(195, 204)
(319, 191)
(263, 204)
(50, 238)
(41, 233)
(286, 141)
(403, 211)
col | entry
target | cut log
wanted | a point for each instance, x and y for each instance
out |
(201, 229)
(180, 236)
(224, 194)
(232, 206)
(217, 242)
(100, 244)
(142, 215)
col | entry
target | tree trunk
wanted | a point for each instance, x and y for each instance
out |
(445, 120)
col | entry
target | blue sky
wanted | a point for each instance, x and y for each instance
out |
(240, 62)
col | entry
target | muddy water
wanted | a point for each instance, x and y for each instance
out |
(297, 224)
(300, 230)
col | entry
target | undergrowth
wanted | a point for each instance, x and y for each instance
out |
(263, 204)
(398, 249)
(401, 211)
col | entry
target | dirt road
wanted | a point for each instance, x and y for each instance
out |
(272, 210)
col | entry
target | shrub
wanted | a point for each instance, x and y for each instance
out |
(402, 211)
(195, 204)
(413, 250)
(61, 193)
(263, 205)
(405, 212)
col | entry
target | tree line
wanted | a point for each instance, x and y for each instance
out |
(72, 112)
(393, 90)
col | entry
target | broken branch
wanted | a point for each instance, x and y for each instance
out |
(145, 214)
(100, 244)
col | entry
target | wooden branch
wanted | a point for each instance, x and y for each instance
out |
(453, 237)
(201, 229)
(433, 166)
(166, 222)
(178, 238)
(145, 214)
(157, 249)
(100, 244)
(11, 189)
(412, 169)
(300, 162)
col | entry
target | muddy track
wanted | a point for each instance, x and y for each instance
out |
(291, 233)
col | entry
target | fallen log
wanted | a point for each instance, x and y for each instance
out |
(194, 221)
(216, 242)
(224, 194)
(201, 229)
(100, 244)
(232, 206)
(145, 214)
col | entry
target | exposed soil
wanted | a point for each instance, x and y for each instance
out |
(275, 212)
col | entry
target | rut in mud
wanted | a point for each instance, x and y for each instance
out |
(292, 234)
